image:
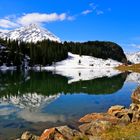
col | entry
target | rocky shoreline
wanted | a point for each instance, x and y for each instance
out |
(92, 126)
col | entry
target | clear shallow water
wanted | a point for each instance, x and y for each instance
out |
(38, 100)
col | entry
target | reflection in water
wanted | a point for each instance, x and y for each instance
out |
(29, 99)
(47, 84)
(40, 117)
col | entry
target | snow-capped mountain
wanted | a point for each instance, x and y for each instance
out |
(134, 57)
(30, 33)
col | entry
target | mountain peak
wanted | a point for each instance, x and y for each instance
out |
(30, 33)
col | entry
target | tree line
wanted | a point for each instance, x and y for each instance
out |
(48, 52)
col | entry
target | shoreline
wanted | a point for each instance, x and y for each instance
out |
(99, 126)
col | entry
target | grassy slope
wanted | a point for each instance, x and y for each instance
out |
(129, 132)
(133, 68)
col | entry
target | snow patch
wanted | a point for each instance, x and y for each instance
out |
(78, 68)
(75, 61)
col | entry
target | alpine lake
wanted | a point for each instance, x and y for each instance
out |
(36, 100)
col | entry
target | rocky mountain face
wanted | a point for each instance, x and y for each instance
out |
(30, 33)
(134, 57)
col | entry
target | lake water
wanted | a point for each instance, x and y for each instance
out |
(37, 100)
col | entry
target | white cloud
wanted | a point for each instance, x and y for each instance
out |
(41, 18)
(5, 23)
(26, 19)
(86, 12)
(93, 6)
(132, 45)
(99, 12)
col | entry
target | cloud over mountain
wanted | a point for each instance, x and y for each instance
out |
(29, 18)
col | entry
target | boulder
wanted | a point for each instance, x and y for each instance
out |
(29, 136)
(125, 119)
(95, 127)
(98, 116)
(135, 107)
(136, 116)
(136, 96)
(113, 110)
(61, 133)
(58, 136)
(65, 131)
(48, 134)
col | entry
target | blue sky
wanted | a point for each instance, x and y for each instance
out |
(78, 20)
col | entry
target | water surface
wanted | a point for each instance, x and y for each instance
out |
(37, 100)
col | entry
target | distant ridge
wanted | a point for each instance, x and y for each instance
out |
(134, 57)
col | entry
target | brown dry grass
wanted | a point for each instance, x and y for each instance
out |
(132, 68)
(129, 132)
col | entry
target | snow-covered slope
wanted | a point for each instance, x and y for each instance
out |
(30, 33)
(134, 57)
(79, 62)
(77, 67)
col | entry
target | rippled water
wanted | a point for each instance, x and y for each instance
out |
(38, 100)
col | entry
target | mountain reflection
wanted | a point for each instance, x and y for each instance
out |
(46, 84)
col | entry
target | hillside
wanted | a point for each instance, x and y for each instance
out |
(99, 49)
(34, 45)
(132, 68)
